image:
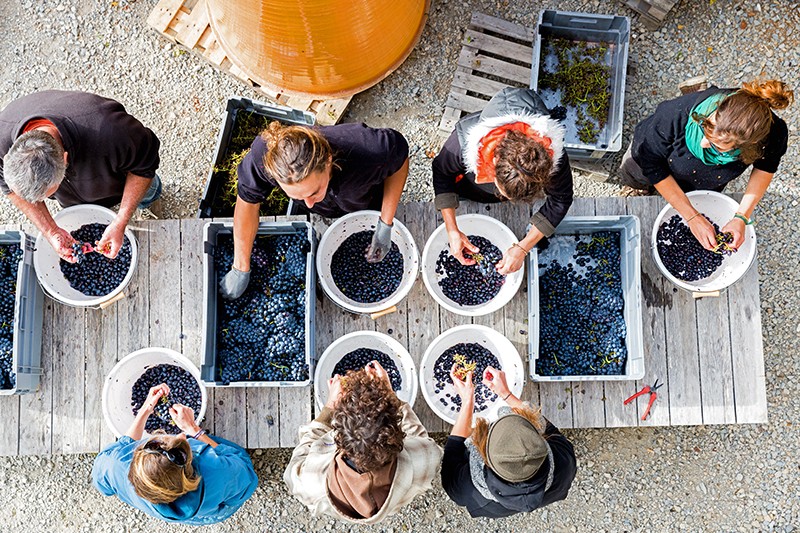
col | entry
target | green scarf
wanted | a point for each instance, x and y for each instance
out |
(694, 134)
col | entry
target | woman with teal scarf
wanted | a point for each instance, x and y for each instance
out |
(704, 140)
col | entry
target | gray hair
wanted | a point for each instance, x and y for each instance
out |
(33, 165)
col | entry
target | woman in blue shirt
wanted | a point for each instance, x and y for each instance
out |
(191, 478)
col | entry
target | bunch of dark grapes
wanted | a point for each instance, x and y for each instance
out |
(471, 284)
(94, 274)
(358, 359)
(360, 280)
(261, 334)
(470, 357)
(682, 254)
(183, 389)
(10, 256)
(581, 322)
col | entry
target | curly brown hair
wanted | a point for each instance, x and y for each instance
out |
(523, 167)
(367, 420)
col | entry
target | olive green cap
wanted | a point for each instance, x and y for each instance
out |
(514, 448)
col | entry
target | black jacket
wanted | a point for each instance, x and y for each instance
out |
(452, 178)
(512, 497)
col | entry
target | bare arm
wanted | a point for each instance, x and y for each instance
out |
(392, 191)
(514, 257)
(457, 239)
(245, 228)
(701, 228)
(114, 235)
(59, 239)
(756, 187)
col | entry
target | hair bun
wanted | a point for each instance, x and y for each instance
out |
(775, 92)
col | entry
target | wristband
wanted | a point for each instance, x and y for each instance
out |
(507, 396)
(747, 221)
(518, 245)
(200, 434)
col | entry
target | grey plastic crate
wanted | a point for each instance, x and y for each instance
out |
(237, 105)
(209, 371)
(630, 258)
(610, 29)
(28, 311)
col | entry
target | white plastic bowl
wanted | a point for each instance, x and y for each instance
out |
(498, 234)
(495, 342)
(117, 389)
(46, 260)
(375, 341)
(720, 209)
(353, 223)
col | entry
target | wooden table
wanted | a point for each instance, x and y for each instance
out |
(707, 352)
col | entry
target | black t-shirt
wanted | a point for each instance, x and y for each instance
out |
(103, 142)
(364, 157)
(659, 147)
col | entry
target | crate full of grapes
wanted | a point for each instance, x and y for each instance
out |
(579, 66)
(264, 338)
(21, 306)
(584, 301)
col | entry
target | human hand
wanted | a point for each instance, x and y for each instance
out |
(112, 239)
(704, 232)
(62, 242)
(512, 260)
(495, 380)
(736, 226)
(234, 284)
(381, 242)
(334, 391)
(183, 417)
(153, 397)
(458, 243)
(374, 368)
(464, 388)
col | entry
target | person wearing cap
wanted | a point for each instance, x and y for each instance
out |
(512, 150)
(517, 463)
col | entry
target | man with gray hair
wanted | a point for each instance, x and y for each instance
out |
(78, 148)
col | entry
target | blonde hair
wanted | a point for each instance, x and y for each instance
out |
(294, 152)
(156, 479)
(745, 117)
(481, 432)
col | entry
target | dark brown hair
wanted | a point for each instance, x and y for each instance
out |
(155, 478)
(744, 118)
(523, 167)
(294, 152)
(480, 434)
(367, 420)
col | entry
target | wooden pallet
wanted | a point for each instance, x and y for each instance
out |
(653, 12)
(185, 22)
(495, 54)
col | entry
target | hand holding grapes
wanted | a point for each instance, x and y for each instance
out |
(512, 260)
(153, 397)
(112, 239)
(62, 242)
(464, 388)
(703, 231)
(375, 368)
(334, 391)
(458, 243)
(735, 226)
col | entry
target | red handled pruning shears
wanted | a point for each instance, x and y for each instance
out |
(653, 395)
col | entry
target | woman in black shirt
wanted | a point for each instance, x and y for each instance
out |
(334, 170)
(702, 141)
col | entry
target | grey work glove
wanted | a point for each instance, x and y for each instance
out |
(234, 284)
(381, 242)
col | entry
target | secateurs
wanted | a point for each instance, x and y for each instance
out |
(653, 395)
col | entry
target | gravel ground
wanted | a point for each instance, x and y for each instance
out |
(733, 478)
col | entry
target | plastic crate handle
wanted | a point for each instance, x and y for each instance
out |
(580, 20)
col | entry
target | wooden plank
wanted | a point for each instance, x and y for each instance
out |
(328, 112)
(68, 380)
(482, 21)
(588, 397)
(133, 311)
(36, 409)
(470, 104)
(749, 380)
(714, 350)
(162, 15)
(497, 46)
(450, 118)
(476, 84)
(100, 351)
(493, 66)
(423, 312)
(165, 286)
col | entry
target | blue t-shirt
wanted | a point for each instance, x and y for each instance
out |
(227, 481)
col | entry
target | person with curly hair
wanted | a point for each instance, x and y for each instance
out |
(366, 455)
(706, 139)
(191, 478)
(512, 150)
(517, 463)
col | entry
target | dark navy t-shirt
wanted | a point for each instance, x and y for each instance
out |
(364, 157)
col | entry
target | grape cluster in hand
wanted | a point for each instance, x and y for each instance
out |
(471, 284)
(360, 280)
(683, 256)
(581, 322)
(261, 334)
(358, 359)
(95, 274)
(183, 389)
(470, 357)
(10, 256)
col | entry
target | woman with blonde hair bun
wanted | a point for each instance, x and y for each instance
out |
(704, 140)
(190, 478)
